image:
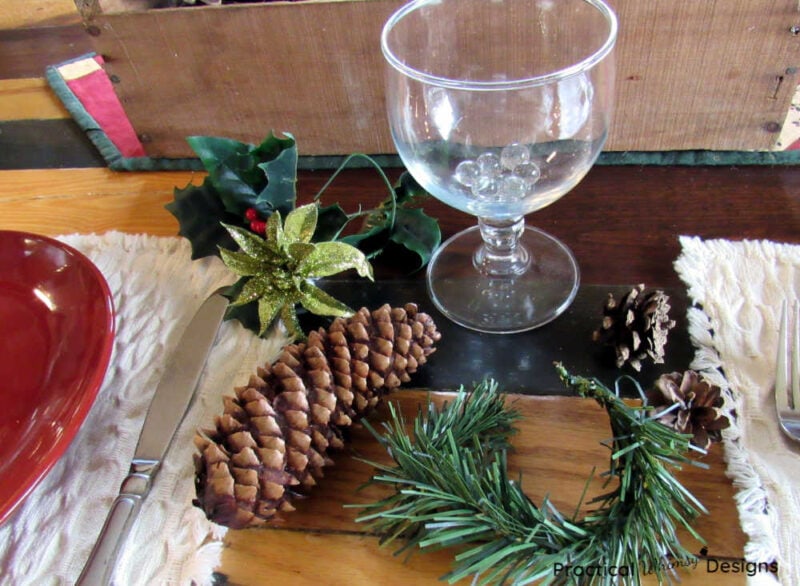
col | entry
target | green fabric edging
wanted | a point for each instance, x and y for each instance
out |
(699, 158)
(654, 158)
(115, 160)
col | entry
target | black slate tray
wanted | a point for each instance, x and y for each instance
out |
(523, 363)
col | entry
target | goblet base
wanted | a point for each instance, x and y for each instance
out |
(503, 304)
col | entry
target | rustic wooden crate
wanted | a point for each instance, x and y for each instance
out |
(691, 74)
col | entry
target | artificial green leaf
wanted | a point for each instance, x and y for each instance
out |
(242, 264)
(418, 232)
(331, 220)
(213, 150)
(246, 314)
(254, 288)
(200, 212)
(275, 232)
(235, 194)
(298, 251)
(300, 224)
(369, 241)
(232, 170)
(408, 189)
(267, 310)
(289, 318)
(281, 172)
(319, 302)
(272, 146)
(251, 243)
(393, 221)
(329, 258)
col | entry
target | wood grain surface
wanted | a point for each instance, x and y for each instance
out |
(622, 223)
(29, 99)
(690, 75)
(556, 450)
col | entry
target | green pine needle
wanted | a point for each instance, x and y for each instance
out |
(451, 489)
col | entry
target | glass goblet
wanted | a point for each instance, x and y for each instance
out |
(498, 108)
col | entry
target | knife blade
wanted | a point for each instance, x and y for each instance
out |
(170, 403)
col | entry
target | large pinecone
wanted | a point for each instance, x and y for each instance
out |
(272, 439)
(636, 326)
(694, 406)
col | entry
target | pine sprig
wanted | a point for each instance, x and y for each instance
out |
(451, 488)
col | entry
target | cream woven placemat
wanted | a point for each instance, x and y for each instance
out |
(738, 288)
(157, 288)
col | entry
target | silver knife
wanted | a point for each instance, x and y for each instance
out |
(167, 409)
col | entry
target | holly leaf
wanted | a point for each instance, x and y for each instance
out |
(407, 189)
(214, 150)
(418, 232)
(394, 220)
(370, 241)
(331, 220)
(280, 192)
(272, 146)
(232, 170)
(235, 194)
(262, 177)
(200, 214)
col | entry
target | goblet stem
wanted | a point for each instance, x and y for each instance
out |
(502, 254)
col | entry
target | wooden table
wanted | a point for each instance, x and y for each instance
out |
(622, 223)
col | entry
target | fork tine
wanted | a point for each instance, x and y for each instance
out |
(795, 372)
(781, 372)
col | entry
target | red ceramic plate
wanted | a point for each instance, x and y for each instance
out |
(56, 335)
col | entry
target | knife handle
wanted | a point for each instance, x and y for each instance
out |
(100, 566)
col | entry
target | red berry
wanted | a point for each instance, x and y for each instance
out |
(259, 227)
(251, 214)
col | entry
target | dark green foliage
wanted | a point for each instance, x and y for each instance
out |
(263, 177)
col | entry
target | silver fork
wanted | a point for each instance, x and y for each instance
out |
(787, 377)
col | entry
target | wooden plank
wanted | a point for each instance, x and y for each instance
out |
(26, 52)
(262, 69)
(74, 184)
(29, 99)
(261, 558)
(704, 75)
(33, 13)
(555, 451)
(89, 200)
(691, 75)
(95, 213)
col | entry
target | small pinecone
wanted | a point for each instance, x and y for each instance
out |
(636, 326)
(698, 410)
(271, 441)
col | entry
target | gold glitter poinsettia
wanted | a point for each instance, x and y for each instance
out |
(277, 271)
